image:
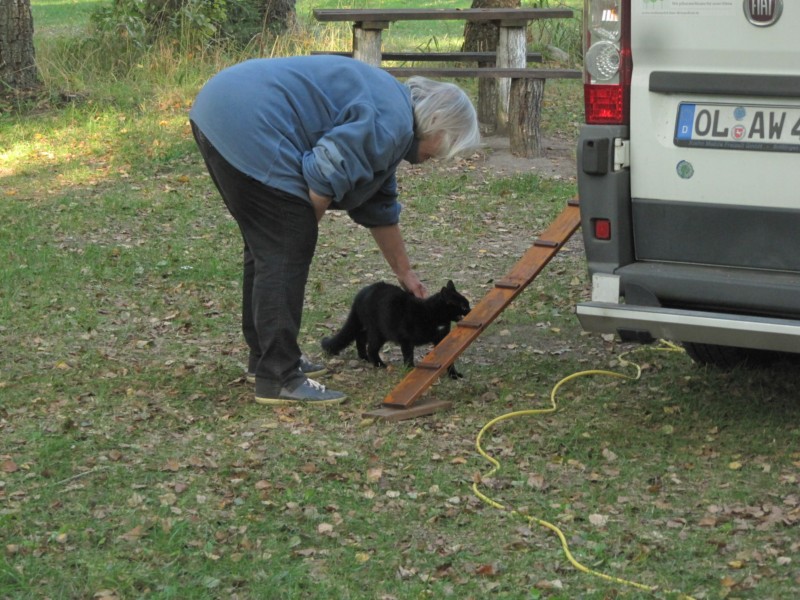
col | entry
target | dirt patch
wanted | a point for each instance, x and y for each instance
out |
(558, 161)
(494, 158)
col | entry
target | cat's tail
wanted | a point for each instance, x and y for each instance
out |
(345, 336)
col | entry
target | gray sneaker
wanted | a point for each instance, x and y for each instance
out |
(309, 392)
(308, 368)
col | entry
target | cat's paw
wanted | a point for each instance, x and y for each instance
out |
(326, 344)
(453, 374)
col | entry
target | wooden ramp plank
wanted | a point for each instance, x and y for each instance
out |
(426, 406)
(436, 362)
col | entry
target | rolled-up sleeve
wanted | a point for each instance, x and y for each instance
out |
(323, 168)
(383, 208)
(350, 154)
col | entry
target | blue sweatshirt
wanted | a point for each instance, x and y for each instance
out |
(330, 124)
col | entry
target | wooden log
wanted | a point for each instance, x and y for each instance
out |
(483, 58)
(367, 43)
(462, 72)
(524, 117)
(511, 53)
(437, 14)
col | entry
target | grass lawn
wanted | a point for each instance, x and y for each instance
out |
(134, 463)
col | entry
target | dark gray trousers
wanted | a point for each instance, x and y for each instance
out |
(280, 234)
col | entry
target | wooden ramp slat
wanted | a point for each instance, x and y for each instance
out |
(429, 369)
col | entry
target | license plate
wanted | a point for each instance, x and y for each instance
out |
(738, 127)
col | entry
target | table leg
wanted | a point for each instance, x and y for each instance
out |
(511, 53)
(367, 43)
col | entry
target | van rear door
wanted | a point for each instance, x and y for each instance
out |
(715, 132)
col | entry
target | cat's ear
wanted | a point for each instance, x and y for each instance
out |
(450, 285)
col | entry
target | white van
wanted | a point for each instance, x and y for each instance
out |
(689, 174)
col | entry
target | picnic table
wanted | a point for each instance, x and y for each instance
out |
(519, 89)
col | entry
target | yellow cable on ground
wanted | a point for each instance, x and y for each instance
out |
(666, 346)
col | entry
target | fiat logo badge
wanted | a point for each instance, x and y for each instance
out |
(763, 13)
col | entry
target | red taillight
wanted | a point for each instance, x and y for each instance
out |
(608, 62)
(602, 229)
(605, 104)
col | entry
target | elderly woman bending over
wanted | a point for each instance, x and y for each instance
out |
(286, 139)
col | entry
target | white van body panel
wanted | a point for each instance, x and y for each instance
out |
(693, 232)
(708, 37)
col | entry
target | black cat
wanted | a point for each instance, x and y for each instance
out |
(382, 313)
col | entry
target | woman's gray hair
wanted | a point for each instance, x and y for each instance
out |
(444, 107)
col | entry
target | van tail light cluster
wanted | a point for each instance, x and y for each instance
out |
(607, 61)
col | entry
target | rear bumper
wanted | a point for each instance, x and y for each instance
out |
(740, 331)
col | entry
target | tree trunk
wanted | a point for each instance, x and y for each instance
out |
(482, 37)
(17, 56)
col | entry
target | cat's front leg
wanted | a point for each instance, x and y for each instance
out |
(377, 361)
(452, 373)
(373, 352)
(408, 353)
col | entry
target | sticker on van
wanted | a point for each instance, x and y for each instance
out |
(685, 8)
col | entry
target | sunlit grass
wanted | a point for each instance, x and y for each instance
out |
(53, 18)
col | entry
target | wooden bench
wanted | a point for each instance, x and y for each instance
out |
(467, 57)
(520, 90)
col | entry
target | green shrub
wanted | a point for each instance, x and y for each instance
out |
(142, 22)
